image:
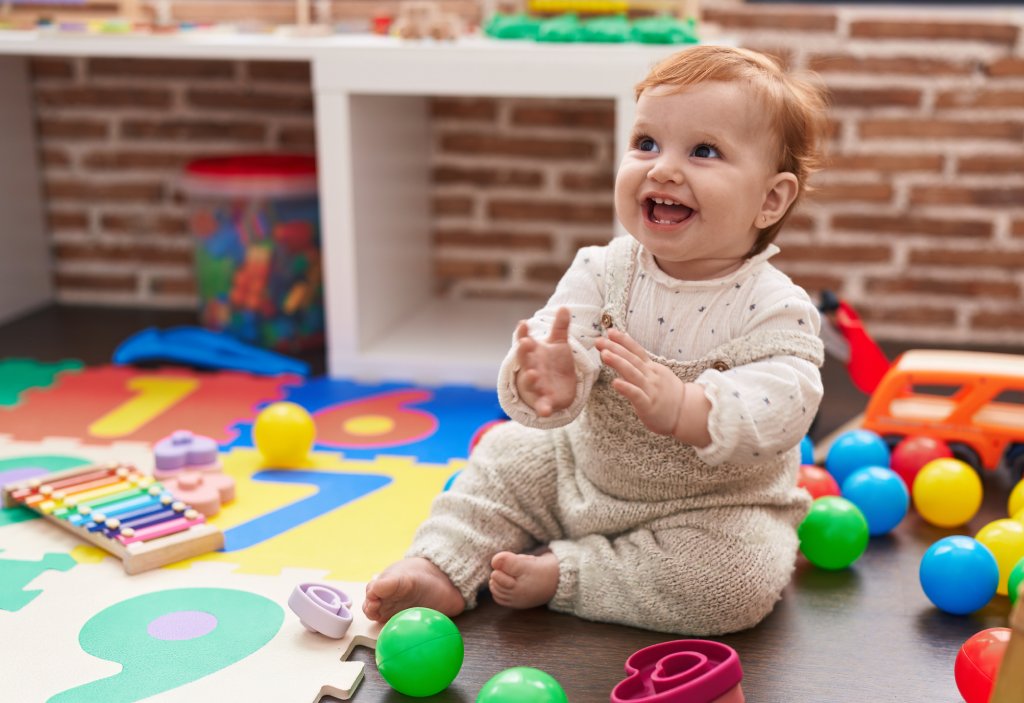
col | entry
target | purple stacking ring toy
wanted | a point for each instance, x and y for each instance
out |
(322, 608)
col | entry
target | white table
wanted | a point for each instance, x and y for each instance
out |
(383, 320)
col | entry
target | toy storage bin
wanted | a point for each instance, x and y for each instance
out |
(256, 220)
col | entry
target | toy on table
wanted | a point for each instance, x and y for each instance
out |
(834, 534)
(188, 466)
(322, 608)
(816, 481)
(29, 13)
(206, 492)
(947, 492)
(1005, 539)
(806, 450)
(959, 574)
(522, 684)
(256, 221)
(960, 397)
(203, 349)
(1015, 503)
(881, 495)
(1015, 581)
(423, 19)
(284, 433)
(912, 453)
(360, 632)
(977, 663)
(122, 510)
(419, 652)
(846, 339)
(682, 671)
(184, 450)
(854, 450)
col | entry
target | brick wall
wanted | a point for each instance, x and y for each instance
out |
(919, 220)
(114, 136)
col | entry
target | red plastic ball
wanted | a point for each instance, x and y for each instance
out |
(481, 431)
(977, 663)
(817, 481)
(914, 452)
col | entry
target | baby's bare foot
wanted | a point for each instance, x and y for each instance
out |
(409, 583)
(523, 580)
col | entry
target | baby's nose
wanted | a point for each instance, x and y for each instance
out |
(667, 171)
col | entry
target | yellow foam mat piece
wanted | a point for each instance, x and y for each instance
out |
(352, 542)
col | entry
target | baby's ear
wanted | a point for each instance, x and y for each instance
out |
(782, 190)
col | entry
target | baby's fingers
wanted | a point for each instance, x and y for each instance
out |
(636, 397)
(623, 366)
(619, 350)
(623, 339)
(560, 327)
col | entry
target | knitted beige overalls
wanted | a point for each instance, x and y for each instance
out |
(646, 533)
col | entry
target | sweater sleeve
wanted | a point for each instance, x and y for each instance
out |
(581, 290)
(762, 409)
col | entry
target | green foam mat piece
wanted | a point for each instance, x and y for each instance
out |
(19, 375)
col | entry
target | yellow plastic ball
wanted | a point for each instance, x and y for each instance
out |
(1016, 502)
(1005, 539)
(284, 433)
(947, 492)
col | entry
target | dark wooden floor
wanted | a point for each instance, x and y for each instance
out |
(864, 635)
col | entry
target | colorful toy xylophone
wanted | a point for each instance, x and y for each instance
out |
(122, 510)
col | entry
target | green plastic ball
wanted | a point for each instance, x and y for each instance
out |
(1016, 578)
(522, 684)
(834, 534)
(419, 652)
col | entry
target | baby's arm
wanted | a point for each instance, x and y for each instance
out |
(663, 402)
(762, 409)
(552, 359)
(546, 379)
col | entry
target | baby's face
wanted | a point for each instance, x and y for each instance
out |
(695, 177)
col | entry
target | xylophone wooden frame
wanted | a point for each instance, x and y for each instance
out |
(136, 557)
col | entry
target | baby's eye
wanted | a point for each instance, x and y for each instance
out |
(706, 151)
(646, 144)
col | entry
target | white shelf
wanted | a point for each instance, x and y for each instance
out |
(440, 341)
(376, 220)
(373, 151)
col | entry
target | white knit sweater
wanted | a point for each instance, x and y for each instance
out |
(756, 408)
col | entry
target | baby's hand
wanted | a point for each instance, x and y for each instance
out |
(655, 393)
(547, 372)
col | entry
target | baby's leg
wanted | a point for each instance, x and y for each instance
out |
(683, 580)
(501, 501)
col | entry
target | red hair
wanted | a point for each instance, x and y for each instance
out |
(796, 107)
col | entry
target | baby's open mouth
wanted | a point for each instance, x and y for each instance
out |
(663, 211)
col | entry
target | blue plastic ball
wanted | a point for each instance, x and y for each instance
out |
(959, 574)
(450, 481)
(806, 451)
(854, 450)
(880, 494)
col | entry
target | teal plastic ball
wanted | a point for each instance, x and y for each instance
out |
(522, 684)
(419, 652)
(834, 534)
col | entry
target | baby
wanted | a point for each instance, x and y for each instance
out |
(658, 400)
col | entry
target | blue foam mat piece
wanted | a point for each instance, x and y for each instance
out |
(460, 410)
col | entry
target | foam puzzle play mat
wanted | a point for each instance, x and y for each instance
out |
(162, 529)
